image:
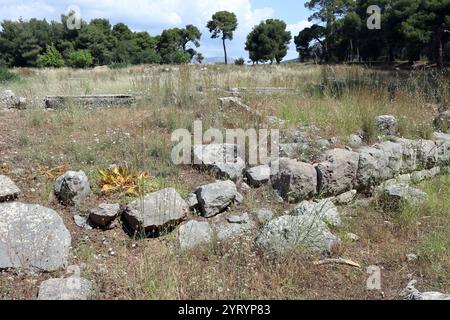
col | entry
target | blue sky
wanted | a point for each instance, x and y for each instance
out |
(155, 15)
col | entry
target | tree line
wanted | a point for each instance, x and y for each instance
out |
(409, 30)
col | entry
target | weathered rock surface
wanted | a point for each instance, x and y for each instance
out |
(104, 214)
(236, 103)
(32, 237)
(72, 188)
(233, 226)
(292, 150)
(289, 233)
(345, 198)
(441, 136)
(192, 201)
(216, 197)
(355, 140)
(82, 222)
(222, 160)
(194, 233)
(8, 189)
(323, 210)
(395, 194)
(72, 288)
(157, 213)
(9, 100)
(411, 293)
(387, 124)
(263, 215)
(443, 152)
(337, 173)
(381, 162)
(419, 176)
(294, 181)
(257, 176)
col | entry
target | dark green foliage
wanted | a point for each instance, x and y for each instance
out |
(80, 59)
(39, 43)
(51, 58)
(222, 25)
(239, 62)
(5, 75)
(175, 45)
(268, 41)
(410, 30)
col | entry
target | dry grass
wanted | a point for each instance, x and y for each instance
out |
(173, 97)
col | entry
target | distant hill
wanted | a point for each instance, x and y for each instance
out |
(295, 60)
(217, 60)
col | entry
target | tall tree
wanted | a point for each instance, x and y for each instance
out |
(430, 25)
(223, 24)
(306, 38)
(173, 44)
(268, 41)
(326, 12)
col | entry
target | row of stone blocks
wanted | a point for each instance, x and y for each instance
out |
(342, 170)
(58, 102)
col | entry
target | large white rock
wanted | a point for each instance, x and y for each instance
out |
(222, 160)
(387, 124)
(195, 233)
(323, 210)
(289, 233)
(157, 213)
(337, 173)
(72, 188)
(32, 237)
(8, 189)
(72, 288)
(411, 293)
(378, 163)
(216, 197)
(394, 195)
(257, 176)
(294, 181)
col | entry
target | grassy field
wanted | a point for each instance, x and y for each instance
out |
(338, 101)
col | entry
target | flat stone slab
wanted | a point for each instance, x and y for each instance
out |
(8, 189)
(215, 198)
(194, 234)
(221, 160)
(73, 288)
(157, 213)
(289, 233)
(104, 214)
(32, 237)
(257, 176)
(106, 100)
(233, 226)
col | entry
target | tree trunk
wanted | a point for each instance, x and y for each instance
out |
(225, 50)
(439, 48)
(391, 56)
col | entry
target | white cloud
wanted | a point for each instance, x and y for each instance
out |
(150, 15)
(295, 28)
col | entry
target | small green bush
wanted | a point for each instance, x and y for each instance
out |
(239, 62)
(6, 75)
(118, 65)
(80, 59)
(52, 58)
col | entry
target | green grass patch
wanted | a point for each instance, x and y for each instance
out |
(6, 76)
